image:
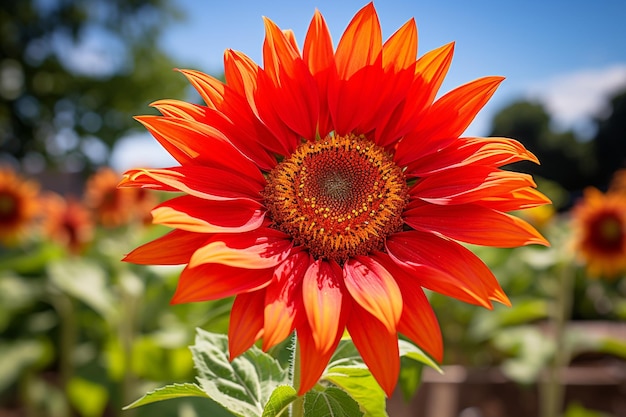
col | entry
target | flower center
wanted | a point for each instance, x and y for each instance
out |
(606, 233)
(8, 208)
(338, 197)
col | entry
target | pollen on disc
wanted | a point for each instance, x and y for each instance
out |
(338, 197)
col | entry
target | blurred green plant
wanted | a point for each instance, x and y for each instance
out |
(84, 334)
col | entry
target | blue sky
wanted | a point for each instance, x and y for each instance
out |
(568, 54)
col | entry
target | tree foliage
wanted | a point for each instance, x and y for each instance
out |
(72, 74)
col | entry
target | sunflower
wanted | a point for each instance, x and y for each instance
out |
(68, 222)
(327, 188)
(115, 207)
(600, 225)
(19, 206)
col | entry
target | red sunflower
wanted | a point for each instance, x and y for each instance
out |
(600, 224)
(327, 188)
(19, 206)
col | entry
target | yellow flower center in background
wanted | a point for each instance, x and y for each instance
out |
(338, 197)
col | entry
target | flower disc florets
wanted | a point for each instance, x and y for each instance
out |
(338, 197)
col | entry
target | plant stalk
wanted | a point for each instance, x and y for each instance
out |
(553, 389)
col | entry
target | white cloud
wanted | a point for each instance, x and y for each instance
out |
(573, 99)
(140, 150)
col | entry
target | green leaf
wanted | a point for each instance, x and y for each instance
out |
(409, 350)
(346, 355)
(331, 402)
(242, 386)
(16, 356)
(359, 383)
(167, 393)
(79, 389)
(84, 280)
(278, 404)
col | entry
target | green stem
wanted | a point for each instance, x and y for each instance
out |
(127, 338)
(297, 406)
(553, 389)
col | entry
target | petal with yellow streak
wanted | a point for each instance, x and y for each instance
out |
(472, 223)
(323, 293)
(492, 151)
(199, 181)
(467, 184)
(446, 267)
(258, 249)
(374, 289)
(418, 321)
(209, 216)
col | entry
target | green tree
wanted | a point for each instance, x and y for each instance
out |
(610, 140)
(72, 74)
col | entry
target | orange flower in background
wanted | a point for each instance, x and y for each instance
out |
(19, 206)
(600, 224)
(618, 182)
(113, 206)
(68, 222)
(327, 188)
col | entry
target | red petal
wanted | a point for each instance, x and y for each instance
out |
(247, 134)
(209, 216)
(174, 248)
(430, 71)
(447, 118)
(215, 281)
(246, 322)
(191, 142)
(322, 294)
(515, 200)
(320, 58)
(418, 321)
(374, 289)
(400, 50)
(237, 109)
(241, 75)
(446, 267)
(360, 44)
(199, 181)
(474, 224)
(468, 184)
(283, 299)
(258, 249)
(313, 361)
(378, 347)
(494, 152)
(295, 96)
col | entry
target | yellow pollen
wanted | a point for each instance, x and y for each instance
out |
(339, 197)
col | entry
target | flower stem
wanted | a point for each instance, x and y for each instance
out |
(553, 390)
(297, 406)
